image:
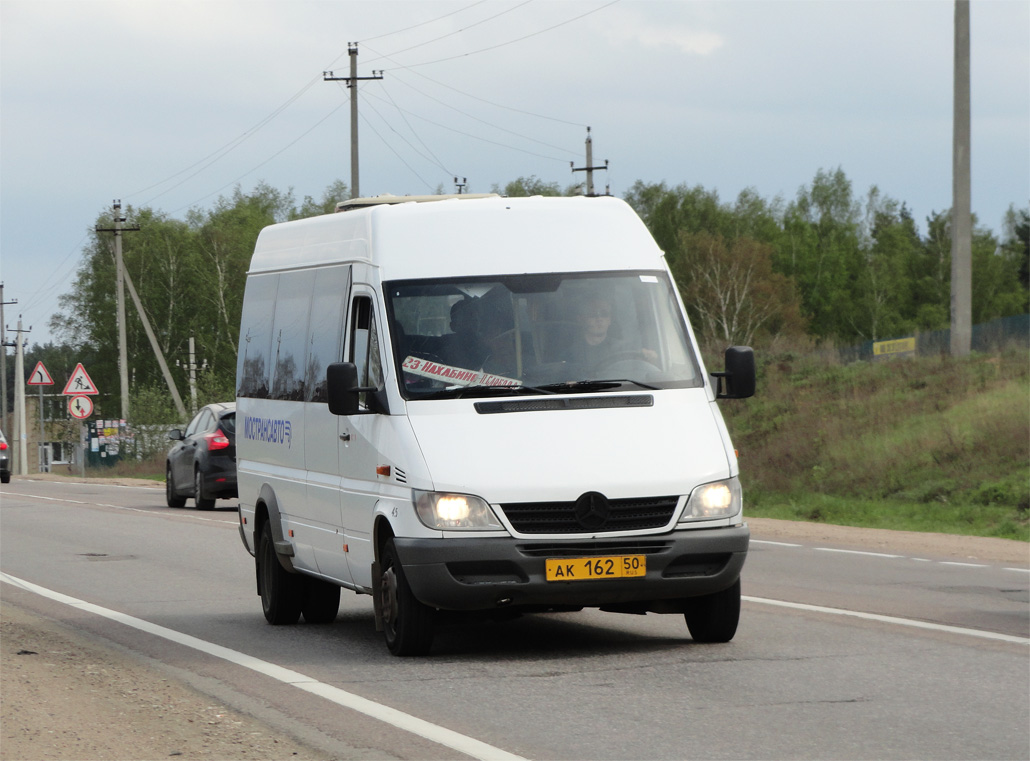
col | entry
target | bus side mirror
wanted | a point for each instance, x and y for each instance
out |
(738, 381)
(343, 390)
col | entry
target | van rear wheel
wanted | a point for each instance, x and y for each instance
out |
(282, 592)
(714, 617)
(407, 623)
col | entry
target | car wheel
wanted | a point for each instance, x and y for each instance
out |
(203, 501)
(714, 617)
(321, 601)
(5, 478)
(407, 623)
(173, 499)
(282, 592)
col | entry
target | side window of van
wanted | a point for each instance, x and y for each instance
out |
(325, 329)
(253, 366)
(364, 344)
(292, 306)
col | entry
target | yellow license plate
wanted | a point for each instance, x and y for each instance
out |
(591, 569)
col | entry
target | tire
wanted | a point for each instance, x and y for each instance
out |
(5, 478)
(282, 592)
(203, 501)
(407, 624)
(173, 499)
(321, 601)
(714, 617)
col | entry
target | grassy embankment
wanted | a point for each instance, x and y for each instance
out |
(918, 444)
(922, 444)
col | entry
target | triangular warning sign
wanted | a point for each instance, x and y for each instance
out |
(80, 383)
(39, 377)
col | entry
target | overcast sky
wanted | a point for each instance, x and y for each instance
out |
(171, 104)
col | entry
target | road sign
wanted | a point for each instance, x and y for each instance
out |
(80, 407)
(39, 376)
(79, 383)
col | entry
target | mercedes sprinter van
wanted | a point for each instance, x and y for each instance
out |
(482, 404)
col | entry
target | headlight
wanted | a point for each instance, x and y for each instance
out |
(719, 499)
(449, 512)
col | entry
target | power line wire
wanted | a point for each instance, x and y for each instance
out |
(423, 23)
(473, 97)
(451, 34)
(477, 137)
(395, 153)
(225, 150)
(512, 42)
(483, 121)
(289, 145)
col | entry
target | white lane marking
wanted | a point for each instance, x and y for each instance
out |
(440, 735)
(87, 483)
(890, 620)
(886, 555)
(123, 507)
(856, 552)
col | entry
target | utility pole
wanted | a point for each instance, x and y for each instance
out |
(961, 204)
(123, 359)
(461, 185)
(352, 83)
(19, 404)
(3, 361)
(193, 367)
(590, 168)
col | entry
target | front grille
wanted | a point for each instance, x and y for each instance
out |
(560, 517)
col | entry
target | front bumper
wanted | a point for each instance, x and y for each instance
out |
(487, 574)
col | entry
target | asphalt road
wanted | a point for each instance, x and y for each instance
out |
(842, 652)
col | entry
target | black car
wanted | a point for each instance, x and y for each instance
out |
(202, 463)
(5, 461)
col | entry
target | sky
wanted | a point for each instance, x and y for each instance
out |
(172, 104)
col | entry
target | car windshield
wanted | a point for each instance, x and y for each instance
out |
(538, 334)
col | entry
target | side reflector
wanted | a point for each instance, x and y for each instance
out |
(291, 532)
(383, 470)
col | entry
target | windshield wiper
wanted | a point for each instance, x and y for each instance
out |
(596, 385)
(460, 392)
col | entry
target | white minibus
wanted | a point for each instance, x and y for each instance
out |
(482, 404)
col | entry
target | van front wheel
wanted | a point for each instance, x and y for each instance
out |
(714, 617)
(282, 592)
(407, 623)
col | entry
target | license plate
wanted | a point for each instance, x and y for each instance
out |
(591, 569)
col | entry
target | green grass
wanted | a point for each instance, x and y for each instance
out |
(990, 520)
(922, 444)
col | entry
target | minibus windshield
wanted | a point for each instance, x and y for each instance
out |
(539, 334)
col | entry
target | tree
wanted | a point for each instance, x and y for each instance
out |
(820, 251)
(731, 290)
(337, 191)
(528, 186)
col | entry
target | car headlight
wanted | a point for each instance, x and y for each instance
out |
(449, 512)
(719, 499)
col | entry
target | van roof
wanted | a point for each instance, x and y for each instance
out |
(387, 198)
(461, 237)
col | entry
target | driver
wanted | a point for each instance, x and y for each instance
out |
(598, 341)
